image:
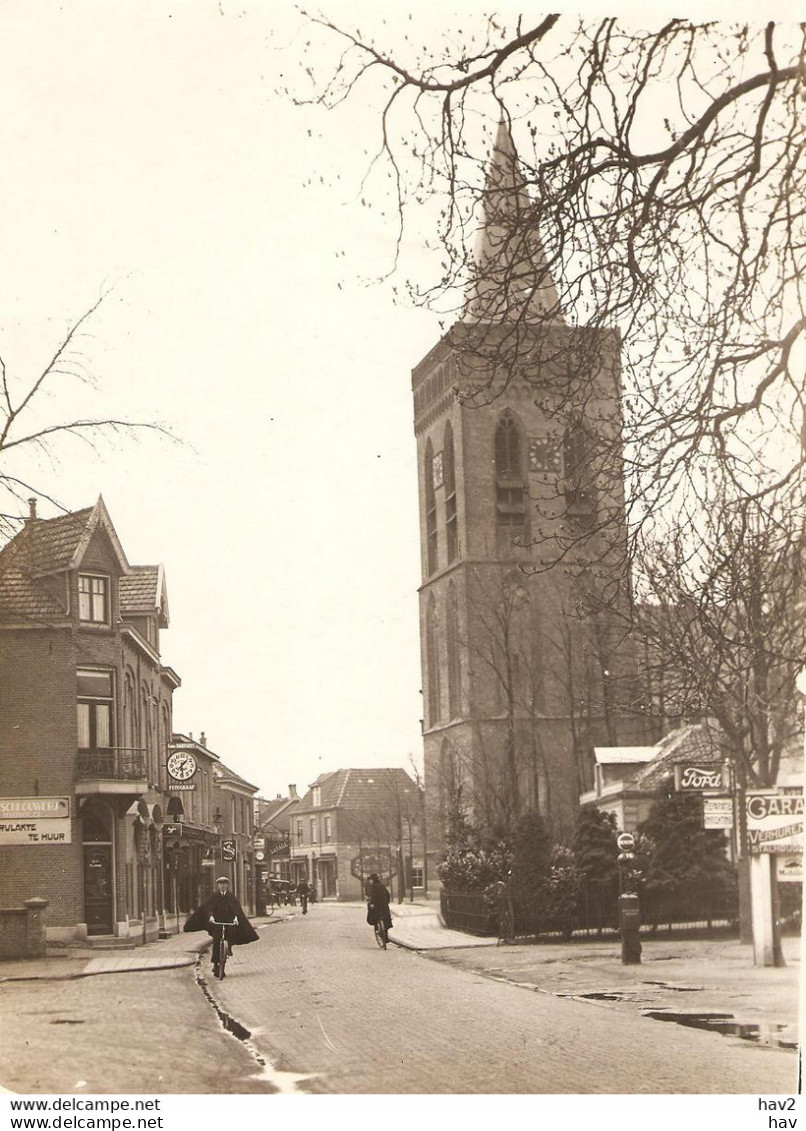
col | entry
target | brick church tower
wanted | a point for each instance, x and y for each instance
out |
(526, 658)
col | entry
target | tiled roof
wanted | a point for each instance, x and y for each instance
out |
(268, 810)
(48, 545)
(23, 597)
(139, 589)
(278, 810)
(698, 743)
(362, 790)
(231, 778)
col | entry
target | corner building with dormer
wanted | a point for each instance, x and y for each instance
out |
(527, 659)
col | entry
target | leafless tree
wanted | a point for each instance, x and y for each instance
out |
(35, 415)
(659, 206)
(725, 635)
(545, 654)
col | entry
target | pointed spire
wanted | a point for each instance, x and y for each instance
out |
(511, 280)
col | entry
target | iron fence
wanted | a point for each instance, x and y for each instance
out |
(112, 763)
(706, 907)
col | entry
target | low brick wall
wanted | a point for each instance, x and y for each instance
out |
(22, 930)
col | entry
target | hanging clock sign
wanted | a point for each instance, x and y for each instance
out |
(181, 765)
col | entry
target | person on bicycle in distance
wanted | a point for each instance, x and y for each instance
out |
(222, 907)
(378, 899)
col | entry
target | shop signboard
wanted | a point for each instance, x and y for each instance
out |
(775, 821)
(35, 820)
(717, 813)
(694, 777)
(789, 869)
(375, 860)
(228, 850)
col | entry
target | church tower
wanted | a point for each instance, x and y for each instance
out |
(525, 657)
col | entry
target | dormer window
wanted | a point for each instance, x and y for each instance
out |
(93, 599)
(317, 796)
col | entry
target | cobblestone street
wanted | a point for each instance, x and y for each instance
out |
(319, 997)
(328, 1012)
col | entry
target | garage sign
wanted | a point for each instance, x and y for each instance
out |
(775, 822)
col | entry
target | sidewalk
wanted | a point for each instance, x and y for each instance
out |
(80, 962)
(680, 978)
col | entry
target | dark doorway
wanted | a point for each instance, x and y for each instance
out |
(98, 889)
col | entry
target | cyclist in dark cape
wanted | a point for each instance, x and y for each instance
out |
(223, 907)
(378, 899)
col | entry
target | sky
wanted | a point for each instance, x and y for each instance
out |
(146, 151)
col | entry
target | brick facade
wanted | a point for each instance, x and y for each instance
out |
(54, 655)
(520, 679)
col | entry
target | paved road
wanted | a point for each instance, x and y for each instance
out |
(151, 1032)
(320, 998)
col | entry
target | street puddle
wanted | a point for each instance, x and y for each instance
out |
(283, 1082)
(677, 988)
(602, 996)
(768, 1035)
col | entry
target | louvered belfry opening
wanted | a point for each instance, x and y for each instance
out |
(509, 478)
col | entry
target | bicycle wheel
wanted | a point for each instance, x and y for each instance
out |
(222, 954)
(380, 935)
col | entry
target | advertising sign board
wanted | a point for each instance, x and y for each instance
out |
(35, 820)
(374, 860)
(789, 869)
(228, 850)
(697, 776)
(717, 813)
(775, 821)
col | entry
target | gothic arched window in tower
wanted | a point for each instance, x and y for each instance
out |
(449, 473)
(430, 510)
(580, 494)
(432, 661)
(452, 640)
(510, 492)
(449, 785)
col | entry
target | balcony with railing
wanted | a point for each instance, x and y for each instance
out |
(112, 769)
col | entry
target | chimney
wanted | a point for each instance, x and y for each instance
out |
(203, 739)
(292, 792)
(32, 516)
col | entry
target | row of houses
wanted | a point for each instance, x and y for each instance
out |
(347, 825)
(119, 822)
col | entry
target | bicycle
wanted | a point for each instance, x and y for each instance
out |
(223, 948)
(381, 931)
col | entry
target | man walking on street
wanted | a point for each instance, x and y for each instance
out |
(303, 891)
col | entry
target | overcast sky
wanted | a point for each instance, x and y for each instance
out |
(145, 145)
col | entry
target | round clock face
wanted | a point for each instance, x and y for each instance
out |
(181, 765)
